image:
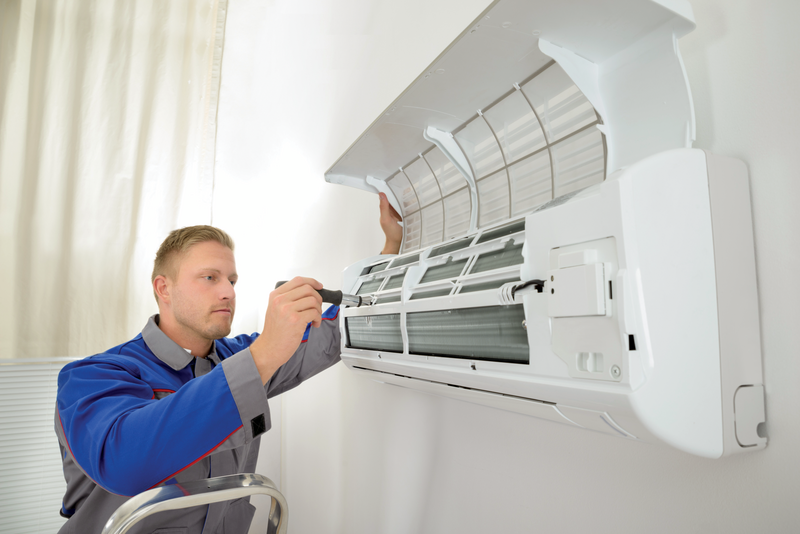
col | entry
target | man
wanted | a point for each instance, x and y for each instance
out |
(181, 401)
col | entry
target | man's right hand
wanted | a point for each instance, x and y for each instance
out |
(291, 307)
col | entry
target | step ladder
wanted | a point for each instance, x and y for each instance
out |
(197, 493)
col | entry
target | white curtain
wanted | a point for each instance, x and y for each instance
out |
(107, 132)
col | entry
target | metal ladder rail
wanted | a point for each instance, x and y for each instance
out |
(196, 493)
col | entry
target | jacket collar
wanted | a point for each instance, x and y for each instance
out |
(167, 350)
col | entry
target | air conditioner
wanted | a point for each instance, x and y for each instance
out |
(566, 253)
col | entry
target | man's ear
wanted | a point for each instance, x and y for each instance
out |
(161, 288)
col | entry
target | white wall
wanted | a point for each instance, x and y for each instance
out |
(301, 80)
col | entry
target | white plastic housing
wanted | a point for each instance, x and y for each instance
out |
(672, 237)
(574, 116)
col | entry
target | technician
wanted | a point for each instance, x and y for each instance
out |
(181, 401)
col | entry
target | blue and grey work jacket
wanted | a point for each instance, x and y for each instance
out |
(147, 413)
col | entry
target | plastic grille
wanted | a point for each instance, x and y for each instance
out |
(516, 127)
(402, 189)
(432, 225)
(481, 148)
(531, 146)
(446, 173)
(378, 268)
(502, 231)
(431, 294)
(531, 183)
(423, 181)
(389, 299)
(561, 106)
(451, 269)
(451, 247)
(405, 260)
(457, 212)
(511, 255)
(493, 197)
(369, 287)
(579, 161)
(412, 229)
(395, 282)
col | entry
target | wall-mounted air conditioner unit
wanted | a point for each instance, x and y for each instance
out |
(566, 253)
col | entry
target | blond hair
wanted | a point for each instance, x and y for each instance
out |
(178, 242)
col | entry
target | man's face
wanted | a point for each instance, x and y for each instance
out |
(202, 297)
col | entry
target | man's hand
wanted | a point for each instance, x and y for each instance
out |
(389, 224)
(291, 307)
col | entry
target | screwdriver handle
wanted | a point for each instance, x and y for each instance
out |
(331, 297)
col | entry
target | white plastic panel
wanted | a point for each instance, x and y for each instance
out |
(749, 409)
(480, 146)
(621, 54)
(636, 233)
(494, 198)
(590, 64)
(594, 420)
(577, 291)
(515, 126)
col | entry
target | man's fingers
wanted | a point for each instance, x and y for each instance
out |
(394, 214)
(302, 292)
(294, 290)
(386, 207)
(298, 313)
(296, 282)
(309, 304)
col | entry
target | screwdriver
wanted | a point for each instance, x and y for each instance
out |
(338, 298)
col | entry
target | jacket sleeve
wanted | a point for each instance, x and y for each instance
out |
(320, 349)
(127, 442)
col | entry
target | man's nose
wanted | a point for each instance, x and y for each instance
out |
(228, 292)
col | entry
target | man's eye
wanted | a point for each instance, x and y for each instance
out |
(233, 282)
(209, 277)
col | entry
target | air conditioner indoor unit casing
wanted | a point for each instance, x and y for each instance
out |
(644, 323)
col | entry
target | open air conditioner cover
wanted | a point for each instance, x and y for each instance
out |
(566, 253)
